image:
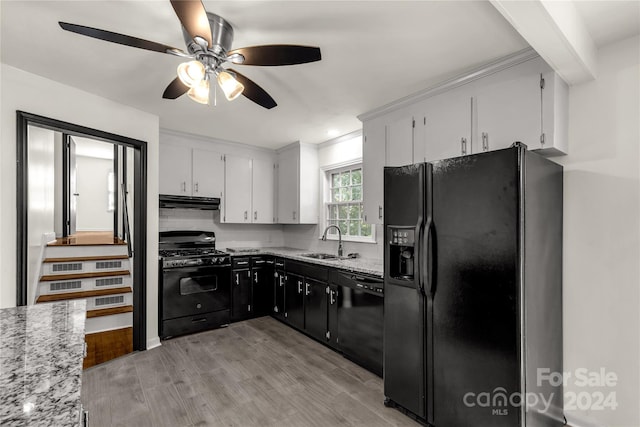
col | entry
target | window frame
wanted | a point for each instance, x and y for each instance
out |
(326, 172)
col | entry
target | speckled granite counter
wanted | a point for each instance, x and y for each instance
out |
(41, 351)
(359, 265)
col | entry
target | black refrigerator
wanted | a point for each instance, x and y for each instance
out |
(473, 290)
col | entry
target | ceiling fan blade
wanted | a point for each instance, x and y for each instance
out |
(121, 39)
(193, 17)
(175, 89)
(278, 54)
(254, 92)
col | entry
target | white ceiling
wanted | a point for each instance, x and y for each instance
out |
(374, 52)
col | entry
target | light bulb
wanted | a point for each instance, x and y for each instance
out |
(200, 92)
(191, 73)
(229, 85)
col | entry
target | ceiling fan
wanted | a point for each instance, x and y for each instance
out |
(208, 38)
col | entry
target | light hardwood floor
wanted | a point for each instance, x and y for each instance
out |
(253, 373)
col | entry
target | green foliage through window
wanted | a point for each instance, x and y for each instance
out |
(344, 208)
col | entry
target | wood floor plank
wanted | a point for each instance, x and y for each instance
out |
(254, 373)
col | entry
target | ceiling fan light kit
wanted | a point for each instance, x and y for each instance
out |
(208, 38)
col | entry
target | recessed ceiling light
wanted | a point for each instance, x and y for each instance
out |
(333, 132)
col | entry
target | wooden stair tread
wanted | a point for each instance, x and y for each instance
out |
(83, 294)
(76, 276)
(87, 258)
(109, 311)
(87, 238)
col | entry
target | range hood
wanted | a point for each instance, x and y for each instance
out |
(186, 202)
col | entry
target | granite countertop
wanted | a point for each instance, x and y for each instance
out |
(41, 352)
(358, 265)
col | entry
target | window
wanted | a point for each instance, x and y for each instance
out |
(343, 204)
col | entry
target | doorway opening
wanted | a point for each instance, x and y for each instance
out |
(81, 216)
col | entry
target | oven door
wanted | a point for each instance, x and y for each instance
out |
(188, 291)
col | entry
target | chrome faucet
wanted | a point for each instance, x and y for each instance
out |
(324, 237)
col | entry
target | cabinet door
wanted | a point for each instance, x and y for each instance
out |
(315, 308)
(399, 142)
(447, 131)
(263, 192)
(240, 294)
(175, 167)
(262, 291)
(237, 194)
(508, 110)
(208, 173)
(288, 186)
(294, 300)
(278, 294)
(373, 161)
(332, 316)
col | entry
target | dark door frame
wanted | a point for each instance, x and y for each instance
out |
(25, 119)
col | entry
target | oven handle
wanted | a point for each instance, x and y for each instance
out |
(196, 267)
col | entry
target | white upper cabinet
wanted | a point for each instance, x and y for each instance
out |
(374, 158)
(507, 108)
(298, 179)
(447, 126)
(208, 173)
(237, 194)
(488, 109)
(399, 141)
(175, 170)
(263, 194)
(190, 172)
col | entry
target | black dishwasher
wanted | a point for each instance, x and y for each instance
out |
(360, 318)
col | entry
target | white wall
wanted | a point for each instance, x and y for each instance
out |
(332, 153)
(34, 94)
(92, 176)
(602, 233)
(227, 235)
(41, 202)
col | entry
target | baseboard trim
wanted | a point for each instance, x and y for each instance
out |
(153, 343)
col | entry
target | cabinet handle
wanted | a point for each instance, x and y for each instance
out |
(196, 187)
(255, 215)
(299, 287)
(306, 289)
(242, 262)
(245, 215)
(485, 141)
(184, 186)
(331, 300)
(255, 277)
(237, 279)
(294, 215)
(249, 307)
(463, 145)
(379, 212)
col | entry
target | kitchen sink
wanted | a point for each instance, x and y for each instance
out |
(321, 256)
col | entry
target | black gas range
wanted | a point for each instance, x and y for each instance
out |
(195, 283)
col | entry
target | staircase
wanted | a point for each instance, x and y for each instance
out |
(94, 266)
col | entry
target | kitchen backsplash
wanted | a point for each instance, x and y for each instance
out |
(262, 235)
(227, 235)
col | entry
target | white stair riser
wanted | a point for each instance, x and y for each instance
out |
(80, 251)
(92, 302)
(86, 284)
(72, 267)
(107, 323)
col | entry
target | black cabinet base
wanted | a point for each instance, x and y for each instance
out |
(391, 404)
(190, 324)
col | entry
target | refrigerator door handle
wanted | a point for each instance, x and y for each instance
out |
(420, 255)
(431, 282)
